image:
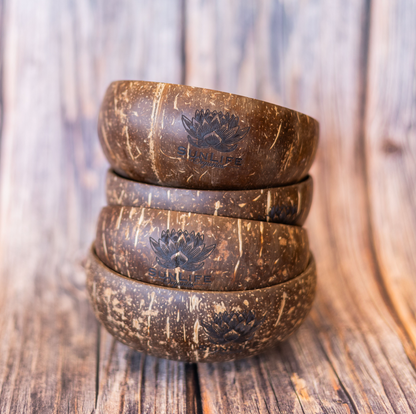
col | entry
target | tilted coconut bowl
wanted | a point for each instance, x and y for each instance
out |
(289, 204)
(197, 251)
(180, 136)
(193, 326)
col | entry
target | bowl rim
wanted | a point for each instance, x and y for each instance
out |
(308, 180)
(311, 267)
(300, 229)
(189, 87)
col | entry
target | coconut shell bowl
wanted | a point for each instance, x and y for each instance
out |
(185, 137)
(288, 204)
(204, 326)
(197, 251)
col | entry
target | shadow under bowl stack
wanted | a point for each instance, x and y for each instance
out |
(200, 254)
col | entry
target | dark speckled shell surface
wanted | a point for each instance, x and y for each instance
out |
(197, 325)
(186, 137)
(197, 251)
(288, 204)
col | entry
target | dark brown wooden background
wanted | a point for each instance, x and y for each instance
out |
(350, 64)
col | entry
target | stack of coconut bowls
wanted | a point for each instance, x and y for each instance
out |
(200, 254)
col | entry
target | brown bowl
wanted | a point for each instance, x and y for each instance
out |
(288, 204)
(196, 251)
(180, 136)
(188, 325)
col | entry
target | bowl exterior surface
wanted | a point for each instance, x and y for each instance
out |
(196, 326)
(288, 204)
(197, 251)
(179, 136)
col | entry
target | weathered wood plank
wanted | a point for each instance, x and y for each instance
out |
(133, 382)
(58, 59)
(278, 381)
(349, 356)
(391, 152)
(355, 352)
(48, 336)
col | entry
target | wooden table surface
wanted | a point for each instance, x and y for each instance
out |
(350, 64)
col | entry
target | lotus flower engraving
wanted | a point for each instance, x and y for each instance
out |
(232, 327)
(214, 129)
(283, 214)
(181, 249)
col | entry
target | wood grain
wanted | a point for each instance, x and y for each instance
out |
(52, 174)
(133, 382)
(390, 152)
(349, 64)
(356, 335)
(48, 336)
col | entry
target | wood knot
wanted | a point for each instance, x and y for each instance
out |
(388, 146)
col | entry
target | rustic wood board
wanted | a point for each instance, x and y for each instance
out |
(350, 64)
(390, 153)
(360, 351)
